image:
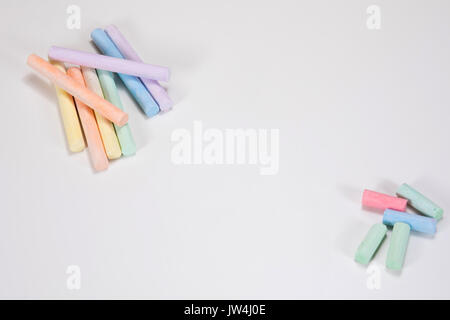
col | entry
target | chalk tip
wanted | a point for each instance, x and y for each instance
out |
(361, 259)
(439, 213)
(32, 58)
(78, 147)
(101, 166)
(128, 148)
(152, 111)
(113, 155)
(394, 266)
(165, 104)
(97, 31)
(129, 152)
(123, 120)
(111, 27)
(168, 74)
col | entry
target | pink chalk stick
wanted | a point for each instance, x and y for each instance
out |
(125, 48)
(382, 201)
(91, 132)
(99, 61)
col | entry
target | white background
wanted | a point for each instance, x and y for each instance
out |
(356, 109)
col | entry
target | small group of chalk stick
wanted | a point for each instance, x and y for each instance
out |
(88, 98)
(402, 223)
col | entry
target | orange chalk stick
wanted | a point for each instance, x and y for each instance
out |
(83, 94)
(91, 132)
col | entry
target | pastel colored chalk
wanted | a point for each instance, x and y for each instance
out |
(71, 123)
(416, 222)
(107, 132)
(419, 202)
(114, 64)
(156, 90)
(133, 84)
(111, 94)
(62, 80)
(383, 201)
(87, 117)
(370, 244)
(398, 245)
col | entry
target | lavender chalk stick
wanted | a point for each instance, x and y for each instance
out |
(158, 92)
(416, 222)
(133, 84)
(116, 64)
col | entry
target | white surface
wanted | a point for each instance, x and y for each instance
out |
(355, 108)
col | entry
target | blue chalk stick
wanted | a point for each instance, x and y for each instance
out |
(416, 222)
(133, 84)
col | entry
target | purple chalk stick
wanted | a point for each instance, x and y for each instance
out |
(158, 92)
(99, 61)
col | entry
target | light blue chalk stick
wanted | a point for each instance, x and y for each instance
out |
(398, 245)
(133, 84)
(420, 202)
(416, 222)
(111, 94)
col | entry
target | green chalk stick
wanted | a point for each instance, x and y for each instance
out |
(420, 202)
(111, 94)
(370, 244)
(397, 247)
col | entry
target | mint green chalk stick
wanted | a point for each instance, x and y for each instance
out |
(111, 94)
(420, 202)
(370, 244)
(397, 247)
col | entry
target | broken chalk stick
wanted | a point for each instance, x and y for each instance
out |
(398, 245)
(383, 201)
(417, 222)
(419, 202)
(370, 244)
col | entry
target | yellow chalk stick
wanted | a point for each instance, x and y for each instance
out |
(109, 137)
(69, 116)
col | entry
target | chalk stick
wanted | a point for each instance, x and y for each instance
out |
(72, 127)
(416, 222)
(114, 64)
(106, 128)
(80, 92)
(111, 94)
(382, 201)
(133, 84)
(398, 245)
(420, 202)
(87, 117)
(156, 90)
(370, 244)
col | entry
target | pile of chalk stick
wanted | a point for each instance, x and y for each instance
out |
(89, 102)
(402, 223)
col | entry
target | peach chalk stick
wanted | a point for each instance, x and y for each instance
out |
(382, 201)
(72, 127)
(62, 80)
(109, 137)
(87, 117)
